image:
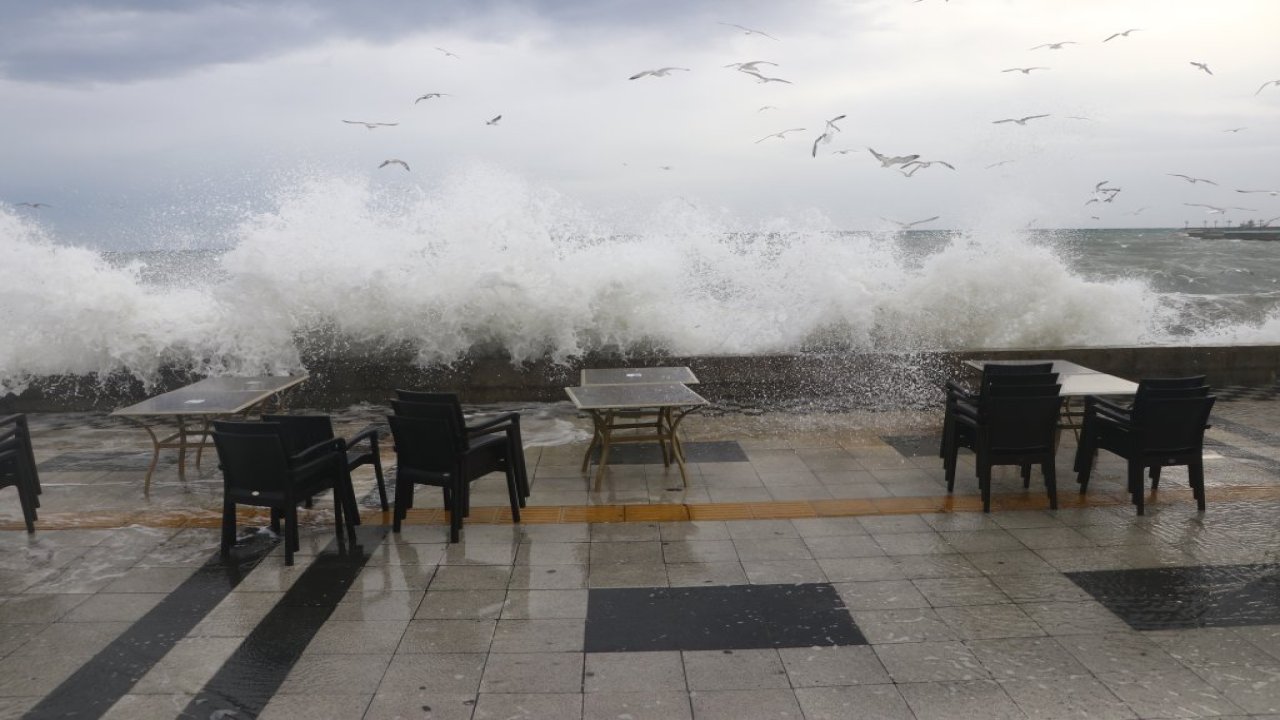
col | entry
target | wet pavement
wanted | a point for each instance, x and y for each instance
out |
(814, 567)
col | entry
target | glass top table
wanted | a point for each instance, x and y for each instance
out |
(655, 410)
(637, 376)
(205, 400)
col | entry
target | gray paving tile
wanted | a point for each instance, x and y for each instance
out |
(1125, 653)
(882, 702)
(945, 592)
(461, 605)
(542, 577)
(447, 636)
(539, 672)
(1252, 689)
(319, 707)
(650, 705)
(1066, 698)
(544, 604)
(783, 572)
(903, 626)
(974, 622)
(143, 707)
(1026, 658)
(734, 670)
(881, 595)
(443, 673)
(335, 675)
(976, 699)
(696, 574)
(634, 672)
(740, 704)
(422, 705)
(536, 636)
(1175, 692)
(930, 662)
(828, 666)
(361, 637)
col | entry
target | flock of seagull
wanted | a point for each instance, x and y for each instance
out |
(908, 165)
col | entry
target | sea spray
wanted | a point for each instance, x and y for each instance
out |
(486, 262)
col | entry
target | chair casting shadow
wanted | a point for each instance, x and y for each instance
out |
(304, 431)
(258, 470)
(18, 466)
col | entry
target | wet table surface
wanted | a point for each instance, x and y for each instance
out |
(638, 376)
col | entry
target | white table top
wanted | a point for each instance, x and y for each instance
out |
(214, 396)
(1062, 367)
(630, 397)
(1095, 384)
(637, 376)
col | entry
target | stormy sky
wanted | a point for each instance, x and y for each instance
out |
(149, 123)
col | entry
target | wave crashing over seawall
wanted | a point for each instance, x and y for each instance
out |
(486, 263)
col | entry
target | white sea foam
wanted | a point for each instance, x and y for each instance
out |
(487, 262)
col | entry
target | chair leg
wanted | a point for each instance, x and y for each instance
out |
(276, 515)
(1084, 470)
(949, 465)
(26, 498)
(1195, 471)
(517, 447)
(1155, 477)
(401, 509)
(513, 492)
(1137, 488)
(377, 474)
(984, 484)
(1026, 476)
(1049, 468)
(456, 511)
(229, 527)
(947, 425)
(290, 527)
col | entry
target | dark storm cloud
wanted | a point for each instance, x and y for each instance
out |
(126, 40)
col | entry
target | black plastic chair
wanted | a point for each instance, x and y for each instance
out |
(1097, 408)
(1015, 425)
(480, 454)
(258, 470)
(18, 466)
(1158, 432)
(304, 431)
(965, 400)
(428, 452)
(507, 423)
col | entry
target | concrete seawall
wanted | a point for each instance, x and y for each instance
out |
(870, 379)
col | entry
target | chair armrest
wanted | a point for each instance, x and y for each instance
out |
(493, 425)
(319, 449)
(11, 419)
(962, 408)
(955, 389)
(370, 434)
(10, 434)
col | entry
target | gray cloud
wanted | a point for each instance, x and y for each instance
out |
(119, 41)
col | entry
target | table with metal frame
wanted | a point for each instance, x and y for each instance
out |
(613, 409)
(1077, 382)
(204, 401)
(637, 376)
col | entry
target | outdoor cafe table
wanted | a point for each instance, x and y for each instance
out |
(1077, 382)
(612, 409)
(205, 401)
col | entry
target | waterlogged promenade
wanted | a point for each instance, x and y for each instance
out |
(814, 567)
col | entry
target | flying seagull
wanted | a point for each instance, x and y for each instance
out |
(823, 138)
(890, 160)
(33, 205)
(1215, 210)
(917, 165)
(1272, 193)
(370, 125)
(393, 161)
(908, 225)
(494, 121)
(448, 54)
(748, 31)
(659, 72)
(846, 151)
(429, 96)
(1024, 70)
(1056, 46)
(781, 135)
(1020, 121)
(1267, 83)
(1121, 34)
(831, 124)
(997, 164)
(751, 65)
(1202, 66)
(1192, 180)
(1235, 130)
(762, 79)
(1079, 117)
(767, 107)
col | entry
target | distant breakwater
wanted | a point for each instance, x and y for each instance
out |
(865, 380)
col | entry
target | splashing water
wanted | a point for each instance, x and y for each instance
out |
(488, 263)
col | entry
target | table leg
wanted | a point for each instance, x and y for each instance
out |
(677, 448)
(182, 447)
(155, 453)
(605, 437)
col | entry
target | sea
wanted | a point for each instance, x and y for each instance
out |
(523, 273)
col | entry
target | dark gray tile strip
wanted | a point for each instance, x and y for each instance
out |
(100, 683)
(248, 680)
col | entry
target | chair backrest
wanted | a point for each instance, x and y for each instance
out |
(992, 369)
(252, 456)
(302, 431)
(1171, 425)
(1191, 381)
(436, 411)
(425, 444)
(435, 398)
(1023, 379)
(1016, 424)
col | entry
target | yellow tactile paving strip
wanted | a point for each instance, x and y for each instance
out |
(665, 512)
